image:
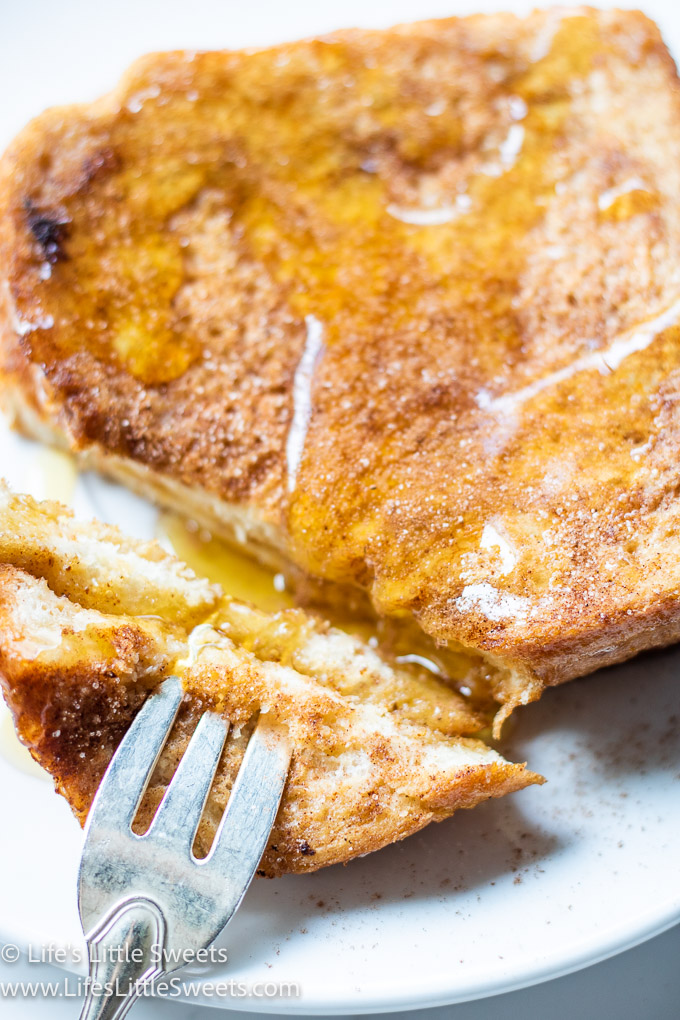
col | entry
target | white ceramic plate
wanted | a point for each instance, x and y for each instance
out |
(515, 892)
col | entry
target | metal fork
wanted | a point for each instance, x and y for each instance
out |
(147, 904)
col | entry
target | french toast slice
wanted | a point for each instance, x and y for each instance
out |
(398, 309)
(91, 622)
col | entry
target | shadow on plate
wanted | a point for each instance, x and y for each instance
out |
(611, 727)
(444, 862)
(624, 719)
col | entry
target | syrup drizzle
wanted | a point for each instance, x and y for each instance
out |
(608, 197)
(604, 361)
(302, 397)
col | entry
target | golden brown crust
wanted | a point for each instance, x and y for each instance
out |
(57, 700)
(442, 245)
(75, 667)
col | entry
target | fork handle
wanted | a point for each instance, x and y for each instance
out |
(125, 952)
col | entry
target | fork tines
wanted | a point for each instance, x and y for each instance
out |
(121, 869)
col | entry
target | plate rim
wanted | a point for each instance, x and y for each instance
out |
(376, 1004)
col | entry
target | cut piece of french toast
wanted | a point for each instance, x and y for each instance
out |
(396, 308)
(91, 622)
